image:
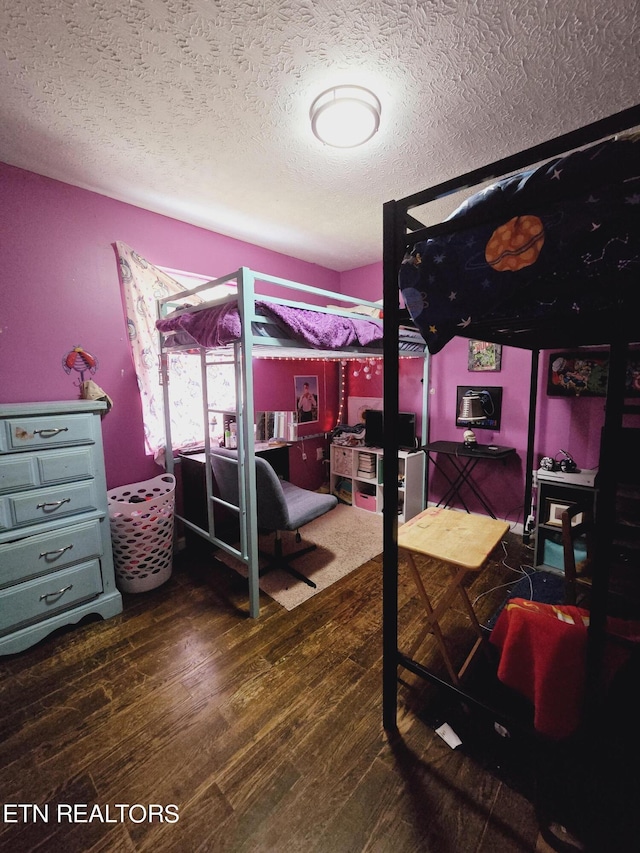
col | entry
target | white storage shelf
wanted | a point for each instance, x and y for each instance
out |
(357, 477)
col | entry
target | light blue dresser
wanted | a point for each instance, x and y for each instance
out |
(56, 564)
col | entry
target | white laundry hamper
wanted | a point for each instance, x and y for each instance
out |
(141, 516)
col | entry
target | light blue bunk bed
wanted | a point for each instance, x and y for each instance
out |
(233, 329)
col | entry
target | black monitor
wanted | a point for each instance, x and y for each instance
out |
(405, 434)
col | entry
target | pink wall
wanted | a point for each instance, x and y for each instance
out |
(410, 393)
(274, 390)
(363, 282)
(501, 482)
(568, 423)
(367, 283)
(61, 289)
(572, 424)
(448, 369)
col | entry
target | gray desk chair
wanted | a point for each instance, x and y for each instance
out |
(281, 505)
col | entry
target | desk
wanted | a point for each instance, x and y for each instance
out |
(464, 459)
(462, 541)
(194, 489)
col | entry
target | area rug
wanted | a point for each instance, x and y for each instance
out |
(345, 538)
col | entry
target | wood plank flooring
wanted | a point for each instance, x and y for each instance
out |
(266, 734)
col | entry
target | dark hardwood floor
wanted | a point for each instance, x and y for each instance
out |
(266, 734)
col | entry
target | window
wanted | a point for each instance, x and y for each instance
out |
(142, 284)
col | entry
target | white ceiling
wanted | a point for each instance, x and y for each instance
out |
(198, 109)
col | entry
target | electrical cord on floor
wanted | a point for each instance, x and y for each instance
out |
(523, 570)
(512, 524)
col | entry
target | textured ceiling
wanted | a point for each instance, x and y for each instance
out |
(198, 109)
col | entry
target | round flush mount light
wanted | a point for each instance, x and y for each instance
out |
(345, 116)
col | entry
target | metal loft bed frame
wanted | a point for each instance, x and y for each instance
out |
(252, 344)
(401, 231)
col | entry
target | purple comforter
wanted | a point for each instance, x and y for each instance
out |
(214, 327)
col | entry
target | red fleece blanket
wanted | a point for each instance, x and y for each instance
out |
(542, 656)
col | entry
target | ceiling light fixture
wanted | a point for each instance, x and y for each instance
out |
(345, 116)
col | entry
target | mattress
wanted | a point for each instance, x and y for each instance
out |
(220, 325)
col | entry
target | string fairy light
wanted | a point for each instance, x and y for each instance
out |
(369, 367)
(343, 392)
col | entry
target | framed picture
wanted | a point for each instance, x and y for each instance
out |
(357, 406)
(633, 375)
(554, 512)
(584, 373)
(578, 374)
(484, 356)
(489, 406)
(306, 390)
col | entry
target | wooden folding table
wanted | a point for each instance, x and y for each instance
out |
(463, 542)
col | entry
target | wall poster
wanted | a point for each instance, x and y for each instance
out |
(306, 390)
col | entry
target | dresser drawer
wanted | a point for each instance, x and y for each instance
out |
(18, 472)
(29, 433)
(40, 598)
(49, 552)
(46, 504)
(29, 470)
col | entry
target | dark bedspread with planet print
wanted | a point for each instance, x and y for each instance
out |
(556, 241)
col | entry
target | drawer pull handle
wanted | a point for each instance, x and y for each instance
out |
(59, 551)
(57, 594)
(48, 433)
(53, 504)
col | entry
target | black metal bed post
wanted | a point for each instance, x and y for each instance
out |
(598, 818)
(609, 464)
(391, 265)
(531, 436)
